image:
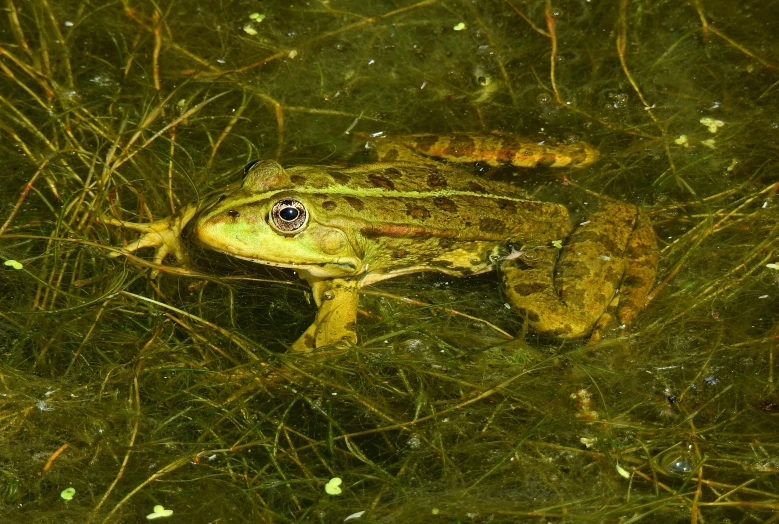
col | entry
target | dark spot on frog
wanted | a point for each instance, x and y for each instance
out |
(445, 242)
(417, 213)
(340, 178)
(329, 205)
(233, 213)
(607, 245)
(445, 204)
(634, 281)
(424, 142)
(297, 179)
(532, 317)
(460, 145)
(436, 181)
(440, 263)
(308, 340)
(392, 172)
(474, 187)
(547, 160)
(491, 225)
(390, 155)
(399, 253)
(356, 203)
(528, 288)
(507, 206)
(380, 181)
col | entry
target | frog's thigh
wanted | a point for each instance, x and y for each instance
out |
(566, 296)
(529, 286)
(641, 258)
(336, 317)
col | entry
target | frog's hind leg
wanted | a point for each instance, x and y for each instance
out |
(565, 292)
(642, 257)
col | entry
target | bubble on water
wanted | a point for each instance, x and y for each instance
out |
(555, 12)
(680, 465)
(544, 99)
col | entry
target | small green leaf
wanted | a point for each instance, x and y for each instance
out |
(67, 493)
(557, 243)
(14, 264)
(159, 512)
(459, 27)
(333, 487)
(257, 17)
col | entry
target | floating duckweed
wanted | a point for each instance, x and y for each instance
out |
(682, 141)
(14, 264)
(257, 17)
(622, 471)
(333, 487)
(159, 512)
(708, 143)
(459, 27)
(67, 493)
(249, 29)
(557, 243)
(773, 265)
(711, 124)
(435, 511)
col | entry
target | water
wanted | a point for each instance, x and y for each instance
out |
(176, 391)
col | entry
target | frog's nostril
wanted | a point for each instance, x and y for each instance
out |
(233, 213)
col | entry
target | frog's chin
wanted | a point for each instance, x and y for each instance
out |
(337, 268)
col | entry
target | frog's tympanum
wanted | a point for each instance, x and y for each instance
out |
(342, 229)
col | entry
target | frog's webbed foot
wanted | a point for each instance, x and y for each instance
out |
(336, 317)
(164, 235)
(571, 293)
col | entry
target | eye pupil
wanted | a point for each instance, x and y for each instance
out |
(289, 214)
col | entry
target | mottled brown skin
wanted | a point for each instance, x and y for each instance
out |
(382, 220)
(492, 149)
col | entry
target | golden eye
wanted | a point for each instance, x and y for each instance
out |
(288, 216)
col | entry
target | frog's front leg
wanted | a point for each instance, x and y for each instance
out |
(565, 293)
(336, 317)
(164, 235)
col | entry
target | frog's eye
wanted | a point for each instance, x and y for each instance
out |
(288, 216)
(248, 167)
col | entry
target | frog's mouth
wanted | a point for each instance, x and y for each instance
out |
(339, 267)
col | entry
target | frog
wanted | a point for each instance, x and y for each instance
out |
(415, 209)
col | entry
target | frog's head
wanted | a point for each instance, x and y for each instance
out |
(270, 220)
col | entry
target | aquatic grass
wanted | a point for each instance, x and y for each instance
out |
(176, 392)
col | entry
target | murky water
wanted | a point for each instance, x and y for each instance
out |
(176, 391)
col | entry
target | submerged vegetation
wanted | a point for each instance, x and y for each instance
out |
(173, 396)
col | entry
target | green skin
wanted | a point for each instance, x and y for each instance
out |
(352, 227)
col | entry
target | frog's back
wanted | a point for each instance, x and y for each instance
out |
(408, 199)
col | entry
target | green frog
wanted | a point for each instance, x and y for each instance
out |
(344, 228)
